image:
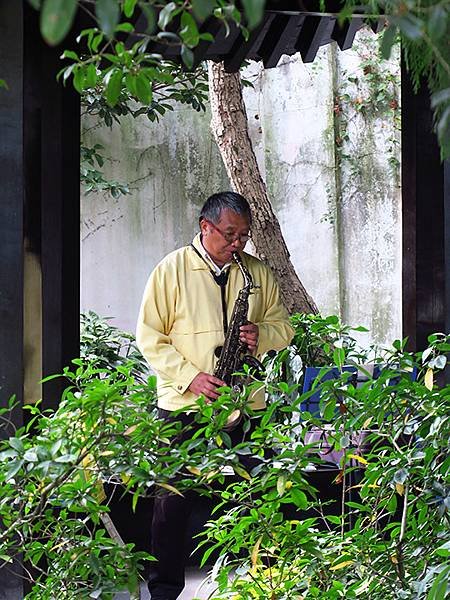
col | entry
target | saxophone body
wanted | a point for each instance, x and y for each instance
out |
(234, 354)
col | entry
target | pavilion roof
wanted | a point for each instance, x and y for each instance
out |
(282, 30)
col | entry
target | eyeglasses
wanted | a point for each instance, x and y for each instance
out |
(231, 237)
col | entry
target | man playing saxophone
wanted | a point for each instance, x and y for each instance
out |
(186, 314)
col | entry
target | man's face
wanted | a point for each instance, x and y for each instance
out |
(229, 235)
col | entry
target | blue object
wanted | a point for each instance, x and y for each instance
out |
(311, 404)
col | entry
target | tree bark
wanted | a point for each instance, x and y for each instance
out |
(230, 129)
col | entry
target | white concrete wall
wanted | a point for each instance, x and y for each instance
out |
(343, 230)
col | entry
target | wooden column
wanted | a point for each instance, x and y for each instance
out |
(447, 252)
(39, 223)
(426, 250)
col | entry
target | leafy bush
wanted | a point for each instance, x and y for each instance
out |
(106, 346)
(386, 535)
(382, 531)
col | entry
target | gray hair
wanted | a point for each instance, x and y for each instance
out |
(216, 203)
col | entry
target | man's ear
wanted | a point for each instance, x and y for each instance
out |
(203, 224)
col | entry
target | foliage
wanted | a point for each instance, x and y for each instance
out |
(107, 347)
(175, 86)
(107, 60)
(423, 27)
(317, 341)
(386, 535)
(92, 179)
(383, 533)
(53, 517)
(372, 92)
(52, 502)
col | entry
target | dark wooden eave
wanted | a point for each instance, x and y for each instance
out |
(281, 32)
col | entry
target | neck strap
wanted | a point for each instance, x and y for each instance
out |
(221, 281)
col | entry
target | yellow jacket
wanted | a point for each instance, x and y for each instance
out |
(180, 320)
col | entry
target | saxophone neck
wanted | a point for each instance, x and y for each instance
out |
(248, 281)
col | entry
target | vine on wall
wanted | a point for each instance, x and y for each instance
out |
(372, 93)
(366, 99)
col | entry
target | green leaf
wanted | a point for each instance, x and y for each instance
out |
(387, 41)
(443, 123)
(440, 97)
(187, 56)
(339, 357)
(108, 13)
(125, 27)
(70, 54)
(254, 11)
(410, 26)
(6, 558)
(90, 76)
(36, 4)
(281, 484)
(14, 468)
(128, 8)
(78, 79)
(16, 443)
(114, 87)
(299, 498)
(130, 82)
(56, 19)
(203, 8)
(3, 84)
(401, 476)
(150, 17)
(437, 23)
(443, 550)
(329, 410)
(96, 40)
(166, 15)
(143, 89)
(439, 588)
(189, 32)
(333, 519)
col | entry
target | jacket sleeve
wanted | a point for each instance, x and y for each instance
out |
(275, 331)
(155, 320)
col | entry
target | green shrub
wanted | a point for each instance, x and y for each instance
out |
(384, 536)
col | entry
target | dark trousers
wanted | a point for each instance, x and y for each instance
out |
(171, 515)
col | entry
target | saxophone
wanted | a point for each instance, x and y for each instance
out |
(233, 352)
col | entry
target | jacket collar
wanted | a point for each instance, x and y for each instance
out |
(199, 263)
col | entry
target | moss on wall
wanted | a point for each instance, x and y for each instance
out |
(329, 165)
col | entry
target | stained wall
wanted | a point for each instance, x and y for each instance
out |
(327, 142)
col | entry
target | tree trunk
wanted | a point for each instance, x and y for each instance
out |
(230, 129)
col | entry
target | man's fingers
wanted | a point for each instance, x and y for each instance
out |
(206, 384)
(216, 382)
(249, 328)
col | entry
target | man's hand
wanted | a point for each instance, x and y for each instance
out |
(249, 335)
(206, 384)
